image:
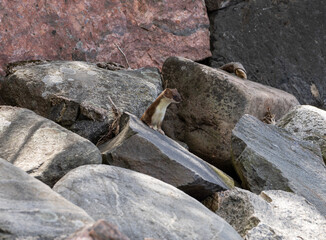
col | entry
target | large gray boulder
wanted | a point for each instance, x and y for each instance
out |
(273, 214)
(29, 209)
(144, 150)
(269, 158)
(141, 206)
(307, 123)
(77, 94)
(41, 147)
(280, 44)
(213, 102)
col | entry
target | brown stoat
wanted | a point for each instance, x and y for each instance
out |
(235, 67)
(155, 113)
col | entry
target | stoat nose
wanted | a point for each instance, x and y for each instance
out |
(177, 98)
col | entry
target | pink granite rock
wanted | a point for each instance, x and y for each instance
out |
(101, 230)
(147, 31)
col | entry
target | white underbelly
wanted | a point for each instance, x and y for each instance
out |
(158, 116)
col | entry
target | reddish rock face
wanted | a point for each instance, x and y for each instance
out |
(100, 230)
(147, 31)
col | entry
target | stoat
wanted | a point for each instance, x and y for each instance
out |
(235, 67)
(155, 113)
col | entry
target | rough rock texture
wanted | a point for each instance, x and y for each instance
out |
(213, 102)
(145, 150)
(77, 94)
(280, 43)
(101, 230)
(141, 206)
(269, 158)
(307, 123)
(213, 5)
(40, 147)
(146, 31)
(274, 214)
(29, 208)
(2, 102)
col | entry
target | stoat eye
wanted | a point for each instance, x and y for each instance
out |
(176, 98)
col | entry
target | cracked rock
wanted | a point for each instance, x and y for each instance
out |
(41, 147)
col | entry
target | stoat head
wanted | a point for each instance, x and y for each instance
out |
(241, 73)
(172, 94)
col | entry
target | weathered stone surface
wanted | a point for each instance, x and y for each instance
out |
(147, 31)
(213, 102)
(213, 5)
(40, 147)
(31, 210)
(280, 43)
(101, 230)
(141, 206)
(269, 158)
(76, 94)
(274, 214)
(307, 123)
(145, 150)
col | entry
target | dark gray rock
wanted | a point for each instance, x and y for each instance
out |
(76, 94)
(274, 214)
(307, 123)
(213, 102)
(145, 150)
(29, 209)
(141, 206)
(280, 43)
(2, 102)
(269, 158)
(41, 147)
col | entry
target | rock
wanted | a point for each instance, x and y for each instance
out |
(269, 158)
(141, 206)
(274, 214)
(307, 123)
(280, 43)
(101, 230)
(31, 210)
(147, 32)
(213, 5)
(145, 150)
(213, 102)
(1, 100)
(77, 94)
(40, 147)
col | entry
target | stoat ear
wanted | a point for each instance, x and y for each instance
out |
(168, 93)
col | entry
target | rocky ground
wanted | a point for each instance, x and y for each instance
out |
(76, 162)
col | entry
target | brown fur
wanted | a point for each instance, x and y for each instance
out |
(147, 116)
(167, 93)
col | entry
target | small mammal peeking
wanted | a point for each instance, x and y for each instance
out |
(155, 113)
(235, 67)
